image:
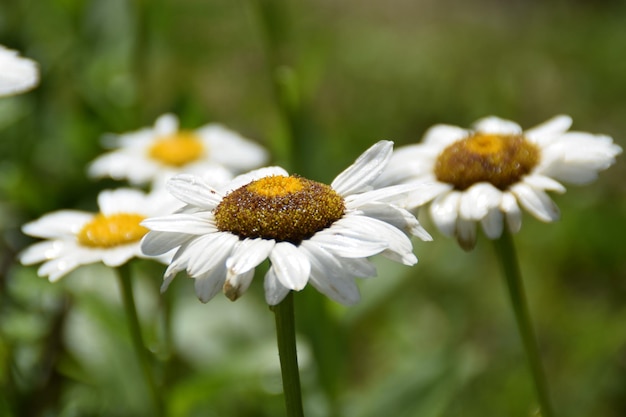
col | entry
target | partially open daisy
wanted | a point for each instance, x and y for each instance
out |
(111, 236)
(164, 150)
(17, 74)
(311, 232)
(483, 173)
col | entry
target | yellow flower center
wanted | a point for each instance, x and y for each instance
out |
(113, 230)
(282, 208)
(178, 149)
(501, 160)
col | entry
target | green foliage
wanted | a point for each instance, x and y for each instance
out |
(434, 340)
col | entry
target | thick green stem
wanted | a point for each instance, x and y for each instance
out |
(505, 250)
(286, 337)
(143, 356)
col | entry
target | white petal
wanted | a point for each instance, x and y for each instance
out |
(247, 178)
(444, 212)
(119, 255)
(542, 182)
(493, 223)
(236, 285)
(329, 277)
(209, 283)
(359, 176)
(230, 149)
(248, 254)
(56, 269)
(397, 217)
(478, 200)
(166, 124)
(158, 243)
(194, 190)
(192, 224)
(494, 124)
(409, 195)
(399, 246)
(17, 74)
(42, 251)
(444, 135)
(537, 202)
(512, 212)
(348, 243)
(550, 130)
(208, 252)
(275, 291)
(466, 234)
(122, 200)
(290, 265)
(63, 223)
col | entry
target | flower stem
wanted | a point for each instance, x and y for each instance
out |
(505, 250)
(124, 276)
(286, 337)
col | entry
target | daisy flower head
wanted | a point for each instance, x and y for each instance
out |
(486, 173)
(17, 74)
(309, 231)
(164, 150)
(111, 236)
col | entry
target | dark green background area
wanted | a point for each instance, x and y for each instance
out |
(437, 339)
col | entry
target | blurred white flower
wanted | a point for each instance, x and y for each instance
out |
(162, 151)
(17, 74)
(111, 236)
(311, 232)
(483, 173)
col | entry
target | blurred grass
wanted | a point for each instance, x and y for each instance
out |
(434, 340)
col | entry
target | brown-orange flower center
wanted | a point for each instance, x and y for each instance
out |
(279, 207)
(501, 160)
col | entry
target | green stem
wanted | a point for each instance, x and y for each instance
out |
(505, 250)
(143, 355)
(286, 337)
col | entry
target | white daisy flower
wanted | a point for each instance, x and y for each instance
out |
(17, 74)
(310, 232)
(485, 174)
(111, 236)
(164, 150)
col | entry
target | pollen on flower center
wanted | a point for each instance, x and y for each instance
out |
(113, 230)
(501, 160)
(278, 207)
(178, 149)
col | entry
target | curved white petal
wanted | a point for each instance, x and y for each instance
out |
(62, 223)
(194, 190)
(478, 200)
(230, 149)
(493, 223)
(550, 130)
(494, 124)
(275, 291)
(207, 252)
(444, 135)
(209, 283)
(17, 74)
(291, 266)
(397, 217)
(537, 202)
(119, 255)
(56, 269)
(248, 254)
(166, 124)
(348, 243)
(192, 224)
(444, 211)
(247, 178)
(512, 212)
(42, 251)
(158, 243)
(466, 233)
(409, 195)
(359, 176)
(542, 182)
(235, 285)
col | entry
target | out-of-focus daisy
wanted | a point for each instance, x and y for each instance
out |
(164, 150)
(111, 236)
(17, 74)
(311, 232)
(486, 173)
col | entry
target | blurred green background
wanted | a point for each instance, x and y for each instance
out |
(435, 340)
